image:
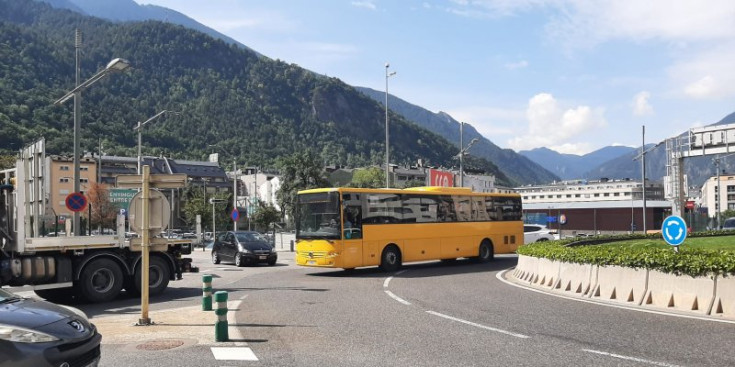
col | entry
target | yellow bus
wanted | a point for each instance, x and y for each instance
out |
(351, 227)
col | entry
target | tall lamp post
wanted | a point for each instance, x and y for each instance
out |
(642, 157)
(139, 128)
(462, 152)
(387, 134)
(116, 65)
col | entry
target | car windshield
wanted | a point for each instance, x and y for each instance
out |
(318, 216)
(6, 295)
(250, 237)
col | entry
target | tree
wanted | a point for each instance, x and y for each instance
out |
(7, 161)
(197, 204)
(265, 215)
(414, 183)
(104, 212)
(300, 171)
(371, 177)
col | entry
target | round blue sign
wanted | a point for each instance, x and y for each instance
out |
(76, 202)
(235, 215)
(674, 230)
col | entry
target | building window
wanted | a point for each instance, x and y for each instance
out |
(569, 195)
(616, 194)
(84, 168)
(63, 168)
(64, 179)
(83, 180)
(606, 194)
(577, 195)
(597, 195)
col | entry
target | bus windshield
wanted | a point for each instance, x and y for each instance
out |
(317, 216)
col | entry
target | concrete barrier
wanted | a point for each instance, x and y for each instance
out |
(684, 293)
(548, 273)
(713, 296)
(619, 284)
(724, 302)
(574, 278)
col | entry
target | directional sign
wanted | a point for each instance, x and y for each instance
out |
(235, 215)
(76, 202)
(674, 230)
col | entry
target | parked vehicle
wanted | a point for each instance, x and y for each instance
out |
(729, 224)
(40, 333)
(88, 268)
(243, 247)
(537, 233)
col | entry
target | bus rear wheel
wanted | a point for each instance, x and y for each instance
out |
(390, 260)
(486, 252)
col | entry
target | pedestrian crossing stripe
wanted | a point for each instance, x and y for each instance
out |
(233, 354)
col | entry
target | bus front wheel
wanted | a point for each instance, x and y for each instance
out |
(391, 259)
(486, 252)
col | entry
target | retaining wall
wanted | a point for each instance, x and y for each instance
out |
(707, 295)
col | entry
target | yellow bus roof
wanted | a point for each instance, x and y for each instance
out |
(426, 189)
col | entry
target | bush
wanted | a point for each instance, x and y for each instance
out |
(694, 262)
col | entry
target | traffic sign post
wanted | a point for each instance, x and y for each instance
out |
(235, 215)
(674, 231)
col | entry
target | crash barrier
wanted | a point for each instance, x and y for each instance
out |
(206, 292)
(703, 295)
(220, 326)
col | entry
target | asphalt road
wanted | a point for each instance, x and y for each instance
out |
(428, 314)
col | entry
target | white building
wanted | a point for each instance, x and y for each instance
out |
(584, 191)
(710, 198)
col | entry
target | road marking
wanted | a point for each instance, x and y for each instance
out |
(500, 277)
(388, 279)
(479, 325)
(233, 354)
(641, 360)
(399, 299)
(240, 352)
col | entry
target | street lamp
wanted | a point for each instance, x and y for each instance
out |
(116, 65)
(642, 157)
(387, 134)
(462, 152)
(139, 128)
(214, 225)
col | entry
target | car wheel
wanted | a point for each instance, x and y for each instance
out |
(100, 281)
(390, 260)
(238, 260)
(215, 257)
(486, 252)
(271, 262)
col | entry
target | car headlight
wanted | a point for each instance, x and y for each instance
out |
(245, 251)
(22, 335)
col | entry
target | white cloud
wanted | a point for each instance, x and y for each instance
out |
(641, 106)
(706, 75)
(516, 65)
(572, 148)
(364, 4)
(550, 125)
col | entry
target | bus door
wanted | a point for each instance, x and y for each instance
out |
(351, 230)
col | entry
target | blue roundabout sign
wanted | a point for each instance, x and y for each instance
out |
(674, 230)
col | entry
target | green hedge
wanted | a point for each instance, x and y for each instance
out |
(694, 262)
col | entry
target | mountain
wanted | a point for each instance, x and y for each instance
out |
(572, 166)
(232, 101)
(697, 169)
(129, 10)
(520, 169)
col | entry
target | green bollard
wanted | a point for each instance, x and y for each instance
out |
(206, 292)
(220, 327)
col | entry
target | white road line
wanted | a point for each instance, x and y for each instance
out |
(387, 280)
(500, 277)
(641, 360)
(240, 352)
(399, 299)
(478, 325)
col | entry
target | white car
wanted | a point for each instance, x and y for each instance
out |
(537, 233)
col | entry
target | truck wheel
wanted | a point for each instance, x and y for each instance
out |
(100, 281)
(158, 277)
(390, 259)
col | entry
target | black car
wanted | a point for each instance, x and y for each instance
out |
(40, 333)
(243, 247)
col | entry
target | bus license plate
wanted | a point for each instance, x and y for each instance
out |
(311, 262)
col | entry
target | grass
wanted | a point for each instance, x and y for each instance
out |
(724, 243)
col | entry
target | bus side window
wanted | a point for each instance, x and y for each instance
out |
(446, 210)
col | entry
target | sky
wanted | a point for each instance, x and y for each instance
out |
(569, 75)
